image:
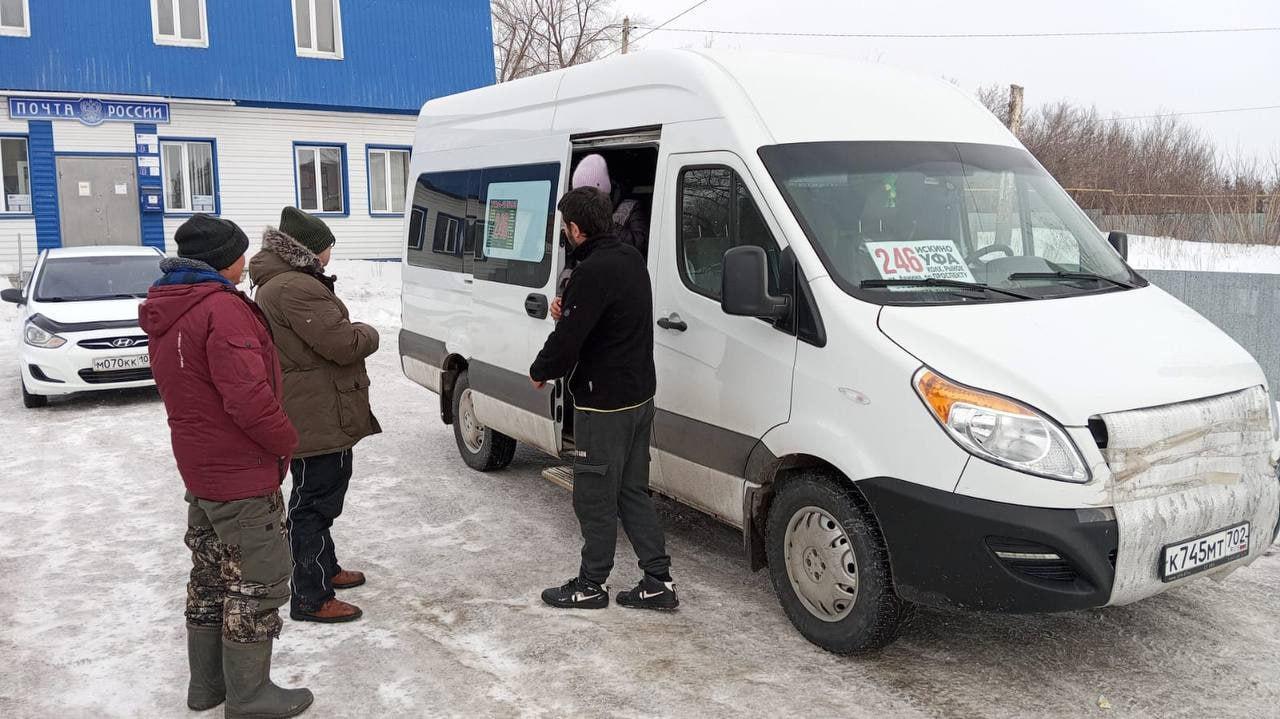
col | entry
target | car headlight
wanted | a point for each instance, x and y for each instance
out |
(37, 337)
(1001, 430)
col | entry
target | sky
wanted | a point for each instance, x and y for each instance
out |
(1122, 76)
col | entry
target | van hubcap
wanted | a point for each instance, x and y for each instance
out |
(472, 430)
(821, 565)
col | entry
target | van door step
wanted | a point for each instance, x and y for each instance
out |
(562, 476)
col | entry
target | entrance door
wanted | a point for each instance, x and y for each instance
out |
(723, 381)
(98, 200)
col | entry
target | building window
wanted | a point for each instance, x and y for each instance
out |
(179, 22)
(717, 213)
(15, 171)
(322, 178)
(187, 167)
(317, 28)
(388, 170)
(417, 226)
(14, 16)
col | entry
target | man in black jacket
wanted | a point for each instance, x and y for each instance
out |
(604, 344)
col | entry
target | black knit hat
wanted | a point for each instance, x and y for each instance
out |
(212, 240)
(311, 232)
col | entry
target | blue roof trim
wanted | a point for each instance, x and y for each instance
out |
(410, 112)
(44, 184)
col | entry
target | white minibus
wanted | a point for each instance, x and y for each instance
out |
(890, 348)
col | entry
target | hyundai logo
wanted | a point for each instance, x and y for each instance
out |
(122, 342)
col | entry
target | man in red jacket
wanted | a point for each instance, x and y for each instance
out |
(217, 372)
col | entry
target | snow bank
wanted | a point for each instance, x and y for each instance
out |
(1166, 253)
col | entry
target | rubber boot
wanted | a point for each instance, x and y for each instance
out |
(204, 654)
(250, 692)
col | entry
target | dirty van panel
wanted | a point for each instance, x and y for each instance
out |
(510, 251)
(719, 376)
(1187, 472)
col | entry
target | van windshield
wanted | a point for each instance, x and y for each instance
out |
(943, 223)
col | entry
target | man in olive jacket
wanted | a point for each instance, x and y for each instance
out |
(326, 395)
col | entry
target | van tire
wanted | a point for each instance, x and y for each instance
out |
(483, 449)
(817, 509)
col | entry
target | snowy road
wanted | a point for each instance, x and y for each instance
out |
(93, 567)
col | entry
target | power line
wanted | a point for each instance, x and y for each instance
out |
(955, 36)
(1195, 112)
(656, 28)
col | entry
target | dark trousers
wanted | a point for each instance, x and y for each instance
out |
(239, 566)
(611, 482)
(319, 486)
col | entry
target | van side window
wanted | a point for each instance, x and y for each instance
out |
(513, 235)
(495, 223)
(717, 213)
(438, 220)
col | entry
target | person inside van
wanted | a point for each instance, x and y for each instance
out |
(604, 344)
(630, 215)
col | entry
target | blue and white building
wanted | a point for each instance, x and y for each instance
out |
(120, 119)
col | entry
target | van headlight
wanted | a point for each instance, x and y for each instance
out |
(38, 337)
(1001, 430)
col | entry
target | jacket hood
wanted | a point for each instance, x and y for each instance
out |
(166, 304)
(280, 254)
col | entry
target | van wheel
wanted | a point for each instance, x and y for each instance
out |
(482, 448)
(32, 401)
(830, 568)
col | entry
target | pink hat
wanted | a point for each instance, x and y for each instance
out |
(592, 171)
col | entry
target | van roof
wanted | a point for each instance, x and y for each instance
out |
(767, 98)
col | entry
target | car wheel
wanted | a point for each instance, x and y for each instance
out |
(32, 401)
(481, 448)
(830, 568)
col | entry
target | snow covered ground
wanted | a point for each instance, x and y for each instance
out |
(91, 524)
(1165, 253)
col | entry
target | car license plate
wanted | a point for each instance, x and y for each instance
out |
(115, 364)
(1196, 555)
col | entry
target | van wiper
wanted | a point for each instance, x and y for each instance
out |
(1068, 276)
(938, 282)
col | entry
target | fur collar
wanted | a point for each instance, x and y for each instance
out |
(294, 253)
(185, 264)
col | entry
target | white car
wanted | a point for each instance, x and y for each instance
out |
(78, 318)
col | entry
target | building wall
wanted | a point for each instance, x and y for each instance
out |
(397, 53)
(256, 172)
(14, 228)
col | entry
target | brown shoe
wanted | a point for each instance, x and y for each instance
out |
(347, 579)
(334, 611)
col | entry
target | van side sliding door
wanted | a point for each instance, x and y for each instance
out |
(512, 256)
(723, 381)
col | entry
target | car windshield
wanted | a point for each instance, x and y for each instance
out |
(942, 223)
(81, 279)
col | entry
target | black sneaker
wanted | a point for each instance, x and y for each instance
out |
(651, 594)
(577, 593)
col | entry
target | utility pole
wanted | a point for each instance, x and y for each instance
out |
(1015, 109)
(626, 34)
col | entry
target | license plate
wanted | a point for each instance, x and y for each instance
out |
(1196, 555)
(115, 364)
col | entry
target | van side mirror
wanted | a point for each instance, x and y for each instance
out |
(744, 285)
(12, 295)
(1120, 241)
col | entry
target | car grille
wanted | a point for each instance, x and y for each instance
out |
(114, 343)
(120, 375)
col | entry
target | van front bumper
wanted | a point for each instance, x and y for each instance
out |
(949, 550)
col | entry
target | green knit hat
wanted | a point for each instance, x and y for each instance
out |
(311, 232)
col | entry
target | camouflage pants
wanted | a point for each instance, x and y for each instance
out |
(240, 566)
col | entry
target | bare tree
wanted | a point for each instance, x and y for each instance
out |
(536, 36)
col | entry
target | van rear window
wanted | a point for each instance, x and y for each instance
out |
(495, 223)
